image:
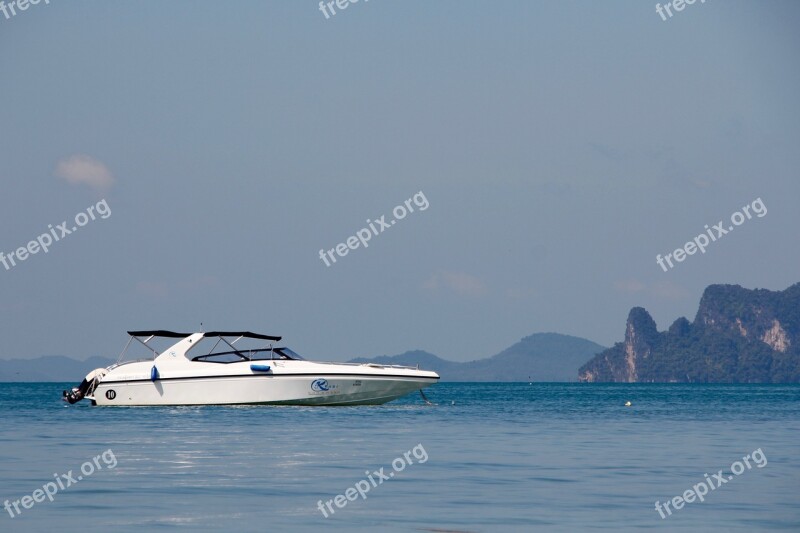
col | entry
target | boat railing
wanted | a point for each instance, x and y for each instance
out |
(373, 365)
(123, 363)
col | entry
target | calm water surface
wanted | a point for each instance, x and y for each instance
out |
(500, 457)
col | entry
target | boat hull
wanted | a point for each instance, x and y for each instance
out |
(314, 389)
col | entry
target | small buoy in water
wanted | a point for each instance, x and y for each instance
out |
(627, 404)
(452, 402)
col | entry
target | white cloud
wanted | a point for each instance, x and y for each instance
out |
(84, 170)
(153, 289)
(458, 282)
(662, 290)
(629, 285)
(666, 290)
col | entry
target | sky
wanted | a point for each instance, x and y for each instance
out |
(559, 146)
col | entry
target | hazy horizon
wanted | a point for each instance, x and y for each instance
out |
(140, 349)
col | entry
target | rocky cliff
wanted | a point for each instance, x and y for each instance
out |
(738, 336)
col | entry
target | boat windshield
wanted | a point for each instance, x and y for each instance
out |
(263, 354)
(290, 354)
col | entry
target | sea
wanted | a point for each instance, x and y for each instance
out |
(481, 457)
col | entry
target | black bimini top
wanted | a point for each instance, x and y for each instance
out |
(174, 335)
(159, 333)
(245, 334)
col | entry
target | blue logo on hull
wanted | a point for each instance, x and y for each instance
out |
(320, 385)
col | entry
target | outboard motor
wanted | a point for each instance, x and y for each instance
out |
(87, 386)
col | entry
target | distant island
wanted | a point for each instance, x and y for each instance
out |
(738, 336)
(538, 357)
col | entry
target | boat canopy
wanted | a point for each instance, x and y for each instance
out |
(159, 333)
(245, 334)
(174, 335)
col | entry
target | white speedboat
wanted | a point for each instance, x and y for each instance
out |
(184, 375)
